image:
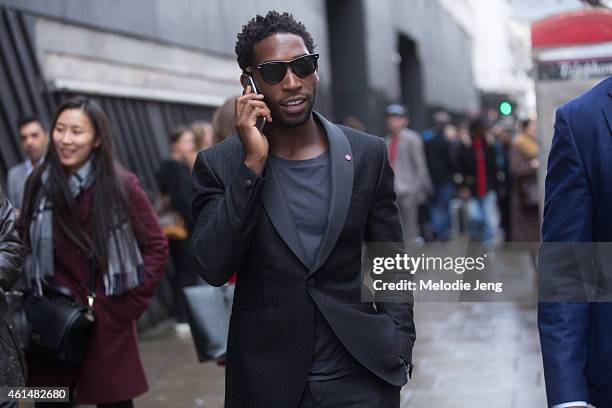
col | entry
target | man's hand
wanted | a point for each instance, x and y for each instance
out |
(248, 108)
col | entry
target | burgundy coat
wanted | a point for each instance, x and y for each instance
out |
(111, 370)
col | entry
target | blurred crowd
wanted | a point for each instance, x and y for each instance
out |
(474, 176)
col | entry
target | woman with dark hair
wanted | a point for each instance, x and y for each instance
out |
(174, 180)
(83, 208)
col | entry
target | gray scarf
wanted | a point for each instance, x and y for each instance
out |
(125, 268)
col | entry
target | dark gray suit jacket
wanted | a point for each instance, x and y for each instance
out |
(243, 225)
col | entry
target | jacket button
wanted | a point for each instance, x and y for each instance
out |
(248, 183)
(310, 282)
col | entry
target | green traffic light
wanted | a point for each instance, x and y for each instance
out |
(505, 108)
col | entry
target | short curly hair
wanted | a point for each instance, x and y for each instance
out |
(261, 27)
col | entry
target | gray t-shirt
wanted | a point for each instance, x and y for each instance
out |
(306, 187)
(305, 184)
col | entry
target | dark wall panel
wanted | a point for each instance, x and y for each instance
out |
(140, 127)
(20, 91)
(348, 61)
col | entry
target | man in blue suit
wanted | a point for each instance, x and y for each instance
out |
(576, 336)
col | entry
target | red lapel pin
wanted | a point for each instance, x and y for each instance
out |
(348, 157)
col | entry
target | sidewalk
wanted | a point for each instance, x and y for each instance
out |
(176, 379)
(466, 355)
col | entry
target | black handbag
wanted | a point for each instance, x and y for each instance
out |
(208, 311)
(60, 327)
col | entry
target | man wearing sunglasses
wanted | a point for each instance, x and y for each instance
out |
(287, 208)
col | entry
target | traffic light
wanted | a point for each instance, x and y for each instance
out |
(505, 108)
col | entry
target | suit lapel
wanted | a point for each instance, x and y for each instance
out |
(277, 208)
(341, 183)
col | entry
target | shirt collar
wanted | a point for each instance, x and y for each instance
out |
(29, 166)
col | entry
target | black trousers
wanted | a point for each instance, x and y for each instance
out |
(361, 389)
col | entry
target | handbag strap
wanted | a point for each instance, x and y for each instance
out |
(91, 283)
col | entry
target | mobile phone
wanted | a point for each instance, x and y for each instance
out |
(247, 80)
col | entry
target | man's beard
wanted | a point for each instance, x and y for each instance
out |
(289, 121)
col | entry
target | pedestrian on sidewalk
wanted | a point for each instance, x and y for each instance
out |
(174, 179)
(34, 141)
(524, 165)
(479, 182)
(82, 209)
(412, 180)
(441, 165)
(288, 207)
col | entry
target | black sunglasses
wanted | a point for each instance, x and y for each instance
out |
(274, 71)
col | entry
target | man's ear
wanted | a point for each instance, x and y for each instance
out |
(248, 80)
(244, 81)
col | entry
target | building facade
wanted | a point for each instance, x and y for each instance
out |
(154, 64)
